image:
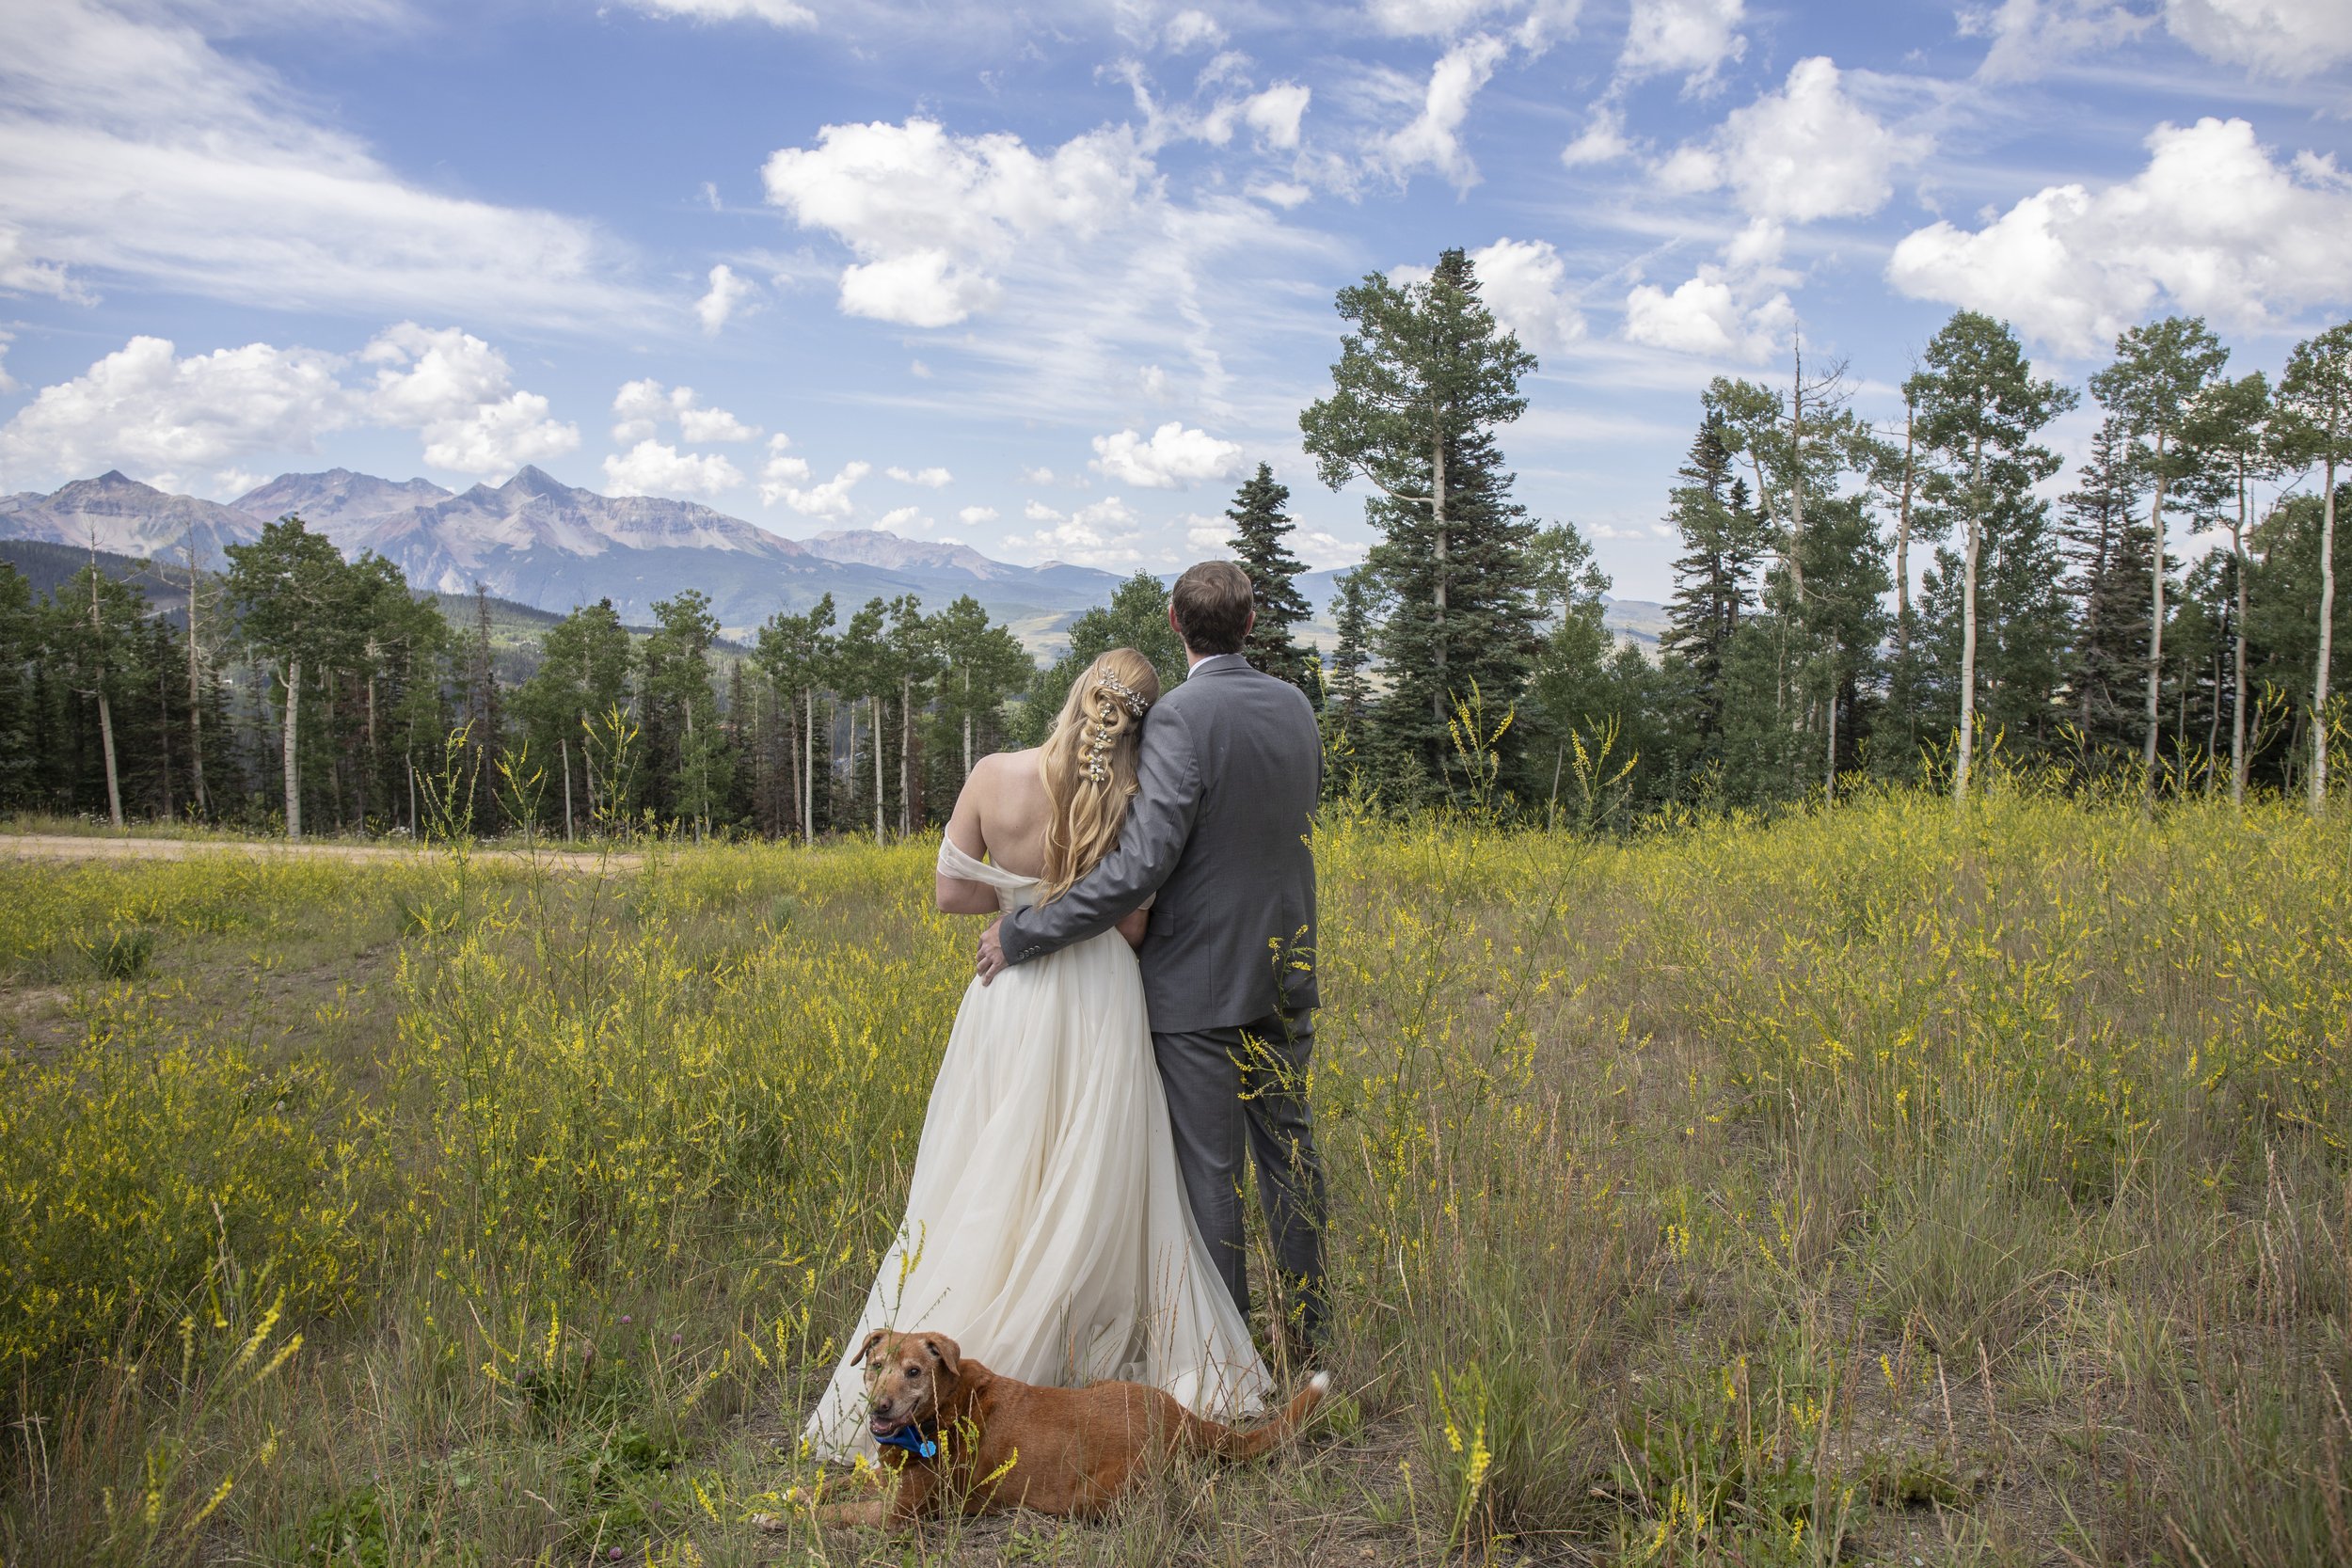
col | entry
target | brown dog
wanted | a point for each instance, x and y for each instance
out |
(996, 1443)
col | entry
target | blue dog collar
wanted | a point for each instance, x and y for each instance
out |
(907, 1437)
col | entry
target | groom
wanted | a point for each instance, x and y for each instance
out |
(1231, 768)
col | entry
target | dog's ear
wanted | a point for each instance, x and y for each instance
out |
(866, 1351)
(947, 1354)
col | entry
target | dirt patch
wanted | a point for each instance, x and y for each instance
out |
(81, 847)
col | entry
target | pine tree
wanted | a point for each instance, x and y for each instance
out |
(2160, 370)
(1723, 539)
(1422, 384)
(1260, 525)
(1352, 612)
(2104, 541)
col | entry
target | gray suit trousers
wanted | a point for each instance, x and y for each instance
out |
(1231, 1089)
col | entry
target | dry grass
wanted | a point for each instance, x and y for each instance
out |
(1877, 1185)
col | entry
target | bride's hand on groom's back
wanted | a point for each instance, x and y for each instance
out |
(990, 961)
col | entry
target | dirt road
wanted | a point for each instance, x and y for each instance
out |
(71, 847)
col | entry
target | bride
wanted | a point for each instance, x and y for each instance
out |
(1046, 1227)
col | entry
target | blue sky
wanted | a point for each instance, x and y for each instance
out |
(1046, 278)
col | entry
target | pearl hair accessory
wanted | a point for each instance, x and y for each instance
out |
(1098, 736)
(1105, 681)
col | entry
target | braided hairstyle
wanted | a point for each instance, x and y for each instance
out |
(1089, 764)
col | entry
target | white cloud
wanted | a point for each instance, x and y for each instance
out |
(657, 469)
(1694, 36)
(1154, 380)
(1102, 533)
(7, 382)
(1806, 152)
(2276, 38)
(131, 151)
(498, 437)
(1522, 282)
(1432, 139)
(972, 516)
(1324, 551)
(1284, 194)
(1189, 30)
(1706, 316)
(1601, 142)
(900, 519)
(702, 426)
(163, 417)
(2029, 37)
(1038, 476)
(1204, 533)
(2213, 225)
(1540, 21)
(1274, 112)
(829, 499)
(925, 288)
(931, 479)
(782, 470)
(644, 406)
(727, 292)
(146, 409)
(20, 273)
(918, 369)
(781, 13)
(1173, 457)
(929, 213)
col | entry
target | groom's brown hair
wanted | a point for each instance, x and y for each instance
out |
(1211, 603)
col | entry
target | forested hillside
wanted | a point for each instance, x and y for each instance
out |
(1855, 600)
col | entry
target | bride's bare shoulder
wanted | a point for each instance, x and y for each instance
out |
(1000, 771)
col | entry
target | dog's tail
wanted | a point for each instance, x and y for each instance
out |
(1238, 1443)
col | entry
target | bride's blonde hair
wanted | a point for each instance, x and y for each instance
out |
(1089, 764)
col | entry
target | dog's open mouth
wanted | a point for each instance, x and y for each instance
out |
(883, 1427)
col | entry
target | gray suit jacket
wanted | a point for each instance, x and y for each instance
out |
(1231, 767)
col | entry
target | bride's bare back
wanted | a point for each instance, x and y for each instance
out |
(1002, 816)
(1003, 813)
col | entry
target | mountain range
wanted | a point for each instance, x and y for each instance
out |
(552, 545)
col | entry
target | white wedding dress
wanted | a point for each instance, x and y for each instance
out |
(1046, 1227)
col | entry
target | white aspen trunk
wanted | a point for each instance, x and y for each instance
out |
(1902, 543)
(106, 712)
(874, 712)
(2237, 702)
(293, 774)
(1969, 629)
(564, 752)
(906, 754)
(967, 722)
(1796, 470)
(106, 741)
(2155, 637)
(163, 732)
(2327, 636)
(808, 774)
(196, 690)
(587, 763)
(1437, 519)
(1829, 770)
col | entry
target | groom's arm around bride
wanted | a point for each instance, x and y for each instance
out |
(1230, 771)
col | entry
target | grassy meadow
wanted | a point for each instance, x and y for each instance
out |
(1879, 1185)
